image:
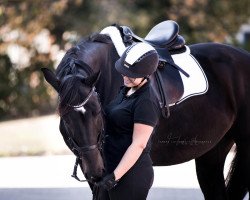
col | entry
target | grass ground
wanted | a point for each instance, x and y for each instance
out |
(33, 136)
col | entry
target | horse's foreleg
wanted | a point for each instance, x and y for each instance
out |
(209, 169)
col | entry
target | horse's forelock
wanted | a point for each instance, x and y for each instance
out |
(69, 93)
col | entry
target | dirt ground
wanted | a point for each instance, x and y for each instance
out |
(33, 136)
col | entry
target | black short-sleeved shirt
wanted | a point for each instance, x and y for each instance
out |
(121, 114)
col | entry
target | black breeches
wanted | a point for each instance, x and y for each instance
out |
(135, 184)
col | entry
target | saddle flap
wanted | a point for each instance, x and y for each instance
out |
(167, 85)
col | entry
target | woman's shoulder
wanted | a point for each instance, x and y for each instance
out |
(148, 97)
(149, 94)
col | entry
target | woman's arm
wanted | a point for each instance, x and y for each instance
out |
(141, 135)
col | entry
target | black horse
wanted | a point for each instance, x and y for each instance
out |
(213, 121)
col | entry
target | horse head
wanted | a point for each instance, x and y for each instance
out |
(75, 80)
(81, 122)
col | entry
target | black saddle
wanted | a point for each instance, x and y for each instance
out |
(163, 35)
(166, 82)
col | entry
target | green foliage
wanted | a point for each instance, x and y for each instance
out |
(23, 92)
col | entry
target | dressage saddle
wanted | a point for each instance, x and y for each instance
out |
(166, 82)
(163, 35)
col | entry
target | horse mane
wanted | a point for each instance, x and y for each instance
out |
(102, 38)
(69, 89)
(66, 65)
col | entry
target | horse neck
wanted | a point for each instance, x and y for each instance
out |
(110, 80)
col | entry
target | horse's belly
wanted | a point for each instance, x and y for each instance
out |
(190, 132)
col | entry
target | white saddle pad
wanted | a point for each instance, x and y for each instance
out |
(196, 83)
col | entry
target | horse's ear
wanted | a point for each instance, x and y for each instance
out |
(92, 80)
(51, 78)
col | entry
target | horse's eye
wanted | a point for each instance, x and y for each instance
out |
(96, 112)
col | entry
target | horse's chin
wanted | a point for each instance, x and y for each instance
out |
(96, 179)
(93, 179)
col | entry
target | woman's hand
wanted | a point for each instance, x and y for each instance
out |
(108, 182)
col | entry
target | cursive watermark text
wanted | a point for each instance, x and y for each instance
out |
(179, 140)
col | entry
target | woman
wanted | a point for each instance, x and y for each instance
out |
(130, 121)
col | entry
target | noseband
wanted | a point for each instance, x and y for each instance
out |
(81, 151)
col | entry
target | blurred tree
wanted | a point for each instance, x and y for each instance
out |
(34, 34)
(6, 84)
(23, 92)
(210, 20)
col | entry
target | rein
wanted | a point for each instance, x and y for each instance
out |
(81, 151)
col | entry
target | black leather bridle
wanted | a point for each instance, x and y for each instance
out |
(92, 91)
(74, 147)
(81, 151)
